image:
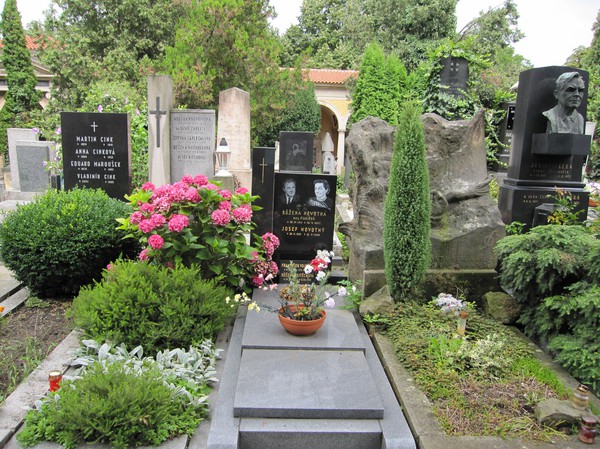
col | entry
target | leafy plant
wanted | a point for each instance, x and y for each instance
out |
(565, 213)
(62, 240)
(545, 260)
(157, 307)
(194, 222)
(112, 404)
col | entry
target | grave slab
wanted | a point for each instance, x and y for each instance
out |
(306, 384)
(339, 332)
(31, 157)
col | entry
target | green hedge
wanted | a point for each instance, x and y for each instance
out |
(63, 239)
(153, 306)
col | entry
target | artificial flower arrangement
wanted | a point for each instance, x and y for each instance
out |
(460, 308)
(195, 222)
(303, 302)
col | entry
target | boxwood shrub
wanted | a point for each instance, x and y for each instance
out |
(159, 308)
(63, 239)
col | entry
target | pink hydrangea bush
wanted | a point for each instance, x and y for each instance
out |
(193, 221)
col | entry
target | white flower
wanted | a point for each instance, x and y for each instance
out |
(308, 269)
(227, 300)
(330, 303)
(342, 291)
(321, 275)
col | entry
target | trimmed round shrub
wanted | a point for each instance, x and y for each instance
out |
(63, 239)
(159, 308)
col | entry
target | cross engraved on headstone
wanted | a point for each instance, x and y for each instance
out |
(263, 165)
(93, 125)
(158, 113)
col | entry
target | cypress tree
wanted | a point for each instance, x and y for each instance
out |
(406, 241)
(379, 86)
(20, 77)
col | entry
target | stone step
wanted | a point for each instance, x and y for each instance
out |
(256, 433)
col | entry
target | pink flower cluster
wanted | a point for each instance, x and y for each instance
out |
(265, 270)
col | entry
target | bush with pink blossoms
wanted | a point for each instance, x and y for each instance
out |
(194, 222)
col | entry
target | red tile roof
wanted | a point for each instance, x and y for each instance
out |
(328, 76)
(29, 42)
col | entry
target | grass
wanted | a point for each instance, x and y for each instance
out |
(17, 361)
(484, 385)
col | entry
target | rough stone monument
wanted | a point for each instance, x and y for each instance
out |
(549, 146)
(233, 124)
(465, 222)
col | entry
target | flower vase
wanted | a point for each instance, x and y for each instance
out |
(461, 326)
(299, 327)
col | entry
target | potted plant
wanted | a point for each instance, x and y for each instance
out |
(301, 307)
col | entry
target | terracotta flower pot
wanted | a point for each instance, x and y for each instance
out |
(593, 203)
(297, 327)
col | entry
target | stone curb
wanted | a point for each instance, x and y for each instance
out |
(424, 426)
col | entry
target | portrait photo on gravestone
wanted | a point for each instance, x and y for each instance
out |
(304, 213)
(97, 152)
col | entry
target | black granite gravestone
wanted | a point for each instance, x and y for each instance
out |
(541, 163)
(263, 171)
(454, 76)
(97, 152)
(505, 136)
(304, 214)
(296, 152)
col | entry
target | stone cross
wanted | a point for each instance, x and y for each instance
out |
(158, 113)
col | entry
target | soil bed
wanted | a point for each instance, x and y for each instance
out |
(27, 336)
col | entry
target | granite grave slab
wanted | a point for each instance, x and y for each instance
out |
(192, 143)
(306, 384)
(263, 175)
(31, 157)
(296, 152)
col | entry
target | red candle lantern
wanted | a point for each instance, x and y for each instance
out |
(54, 379)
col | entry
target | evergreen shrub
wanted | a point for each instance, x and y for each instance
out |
(406, 243)
(114, 405)
(63, 239)
(159, 308)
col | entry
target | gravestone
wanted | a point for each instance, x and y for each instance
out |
(454, 76)
(263, 176)
(192, 143)
(304, 213)
(328, 163)
(505, 136)
(160, 103)
(97, 152)
(233, 124)
(17, 135)
(31, 159)
(541, 162)
(296, 151)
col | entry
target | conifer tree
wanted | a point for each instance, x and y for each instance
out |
(20, 77)
(379, 86)
(406, 241)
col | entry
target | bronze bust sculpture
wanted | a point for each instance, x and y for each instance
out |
(563, 118)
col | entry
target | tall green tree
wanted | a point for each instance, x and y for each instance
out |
(379, 86)
(302, 113)
(22, 97)
(113, 40)
(228, 43)
(335, 33)
(330, 34)
(406, 243)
